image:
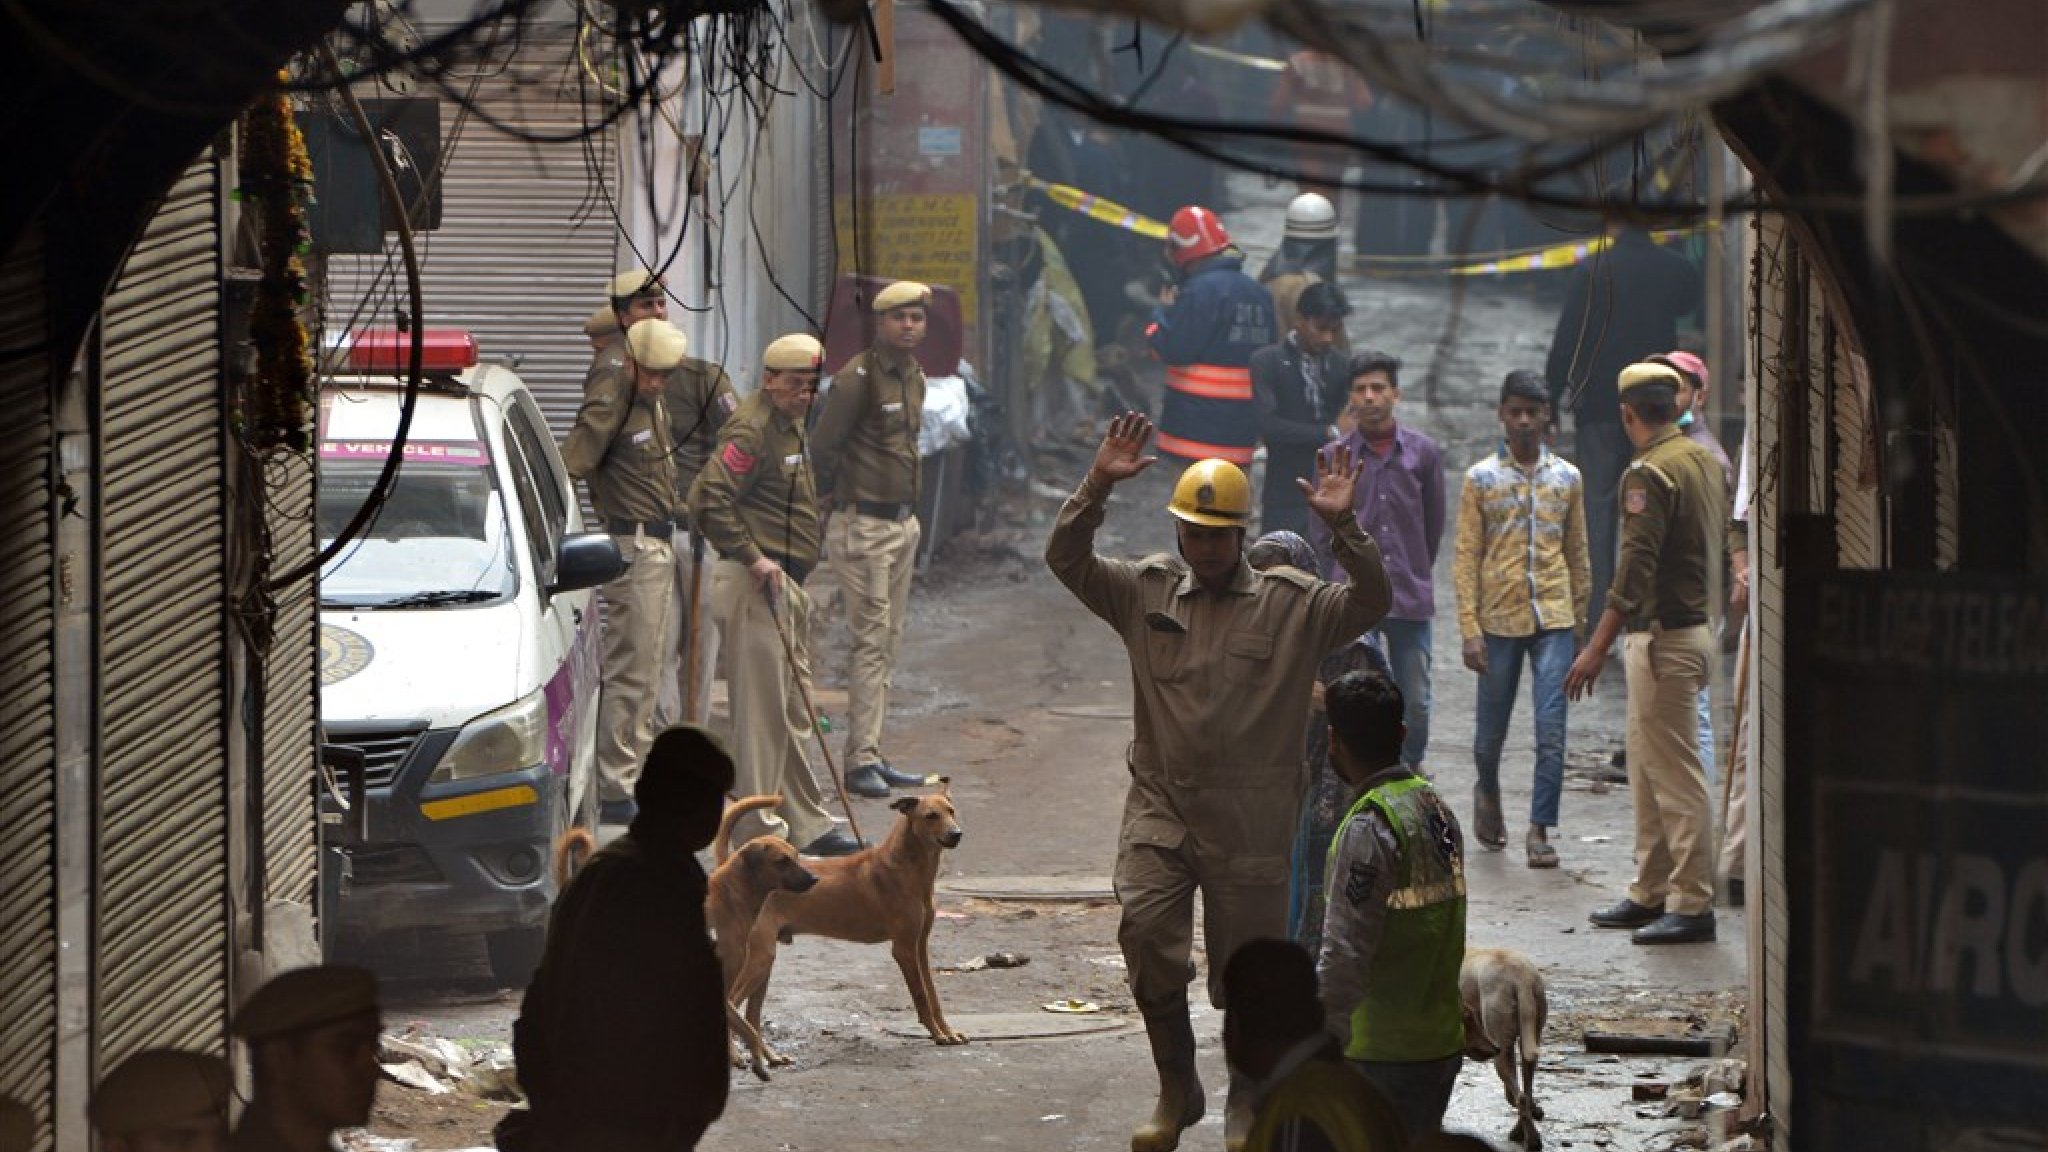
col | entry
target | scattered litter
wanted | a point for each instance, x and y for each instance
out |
(1073, 1006)
(1596, 839)
(1006, 960)
(960, 917)
(1724, 1100)
(974, 965)
(358, 1140)
(1111, 961)
(1649, 1090)
(412, 1075)
(1050, 1117)
(493, 1075)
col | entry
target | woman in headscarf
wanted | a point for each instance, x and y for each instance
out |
(1322, 806)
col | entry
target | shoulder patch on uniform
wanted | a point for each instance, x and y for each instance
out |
(737, 460)
(1636, 500)
(727, 403)
(1358, 882)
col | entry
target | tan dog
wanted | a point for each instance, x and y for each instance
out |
(876, 894)
(1505, 1009)
(740, 883)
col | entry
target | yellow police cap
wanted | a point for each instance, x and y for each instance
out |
(1646, 373)
(158, 1088)
(306, 998)
(657, 344)
(795, 352)
(636, 282)
(602, 322)
(17, 1126)
(901, 294)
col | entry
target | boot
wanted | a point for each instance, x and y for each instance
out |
(1181, 1102)
(1237, 1114)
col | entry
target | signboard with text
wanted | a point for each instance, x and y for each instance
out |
(1916, 764)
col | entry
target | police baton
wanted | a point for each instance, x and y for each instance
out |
(803, 689)
(691, 641)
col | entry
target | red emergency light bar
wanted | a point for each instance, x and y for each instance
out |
(443, 351)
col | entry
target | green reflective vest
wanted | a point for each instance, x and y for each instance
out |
(1348, 1109)
(1411, 1010)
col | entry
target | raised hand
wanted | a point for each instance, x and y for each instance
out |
(1121, 454)
(1336, 480)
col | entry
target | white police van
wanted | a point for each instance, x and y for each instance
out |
(459, 653)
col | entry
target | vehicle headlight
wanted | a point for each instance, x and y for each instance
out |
(509, 740)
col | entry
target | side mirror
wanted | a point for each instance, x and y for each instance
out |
(585, 561)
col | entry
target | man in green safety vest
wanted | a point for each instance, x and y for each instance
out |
(1394, 934)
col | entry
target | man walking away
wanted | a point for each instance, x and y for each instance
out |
(1299, 388)
(1222, 659)
(865, 447)
(1304, 1097)
(1395, 936)
(1399, 500)
(1675, 509)
(1523, 581)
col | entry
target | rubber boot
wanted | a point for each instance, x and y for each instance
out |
(1237, 1114)
(1181, 1102)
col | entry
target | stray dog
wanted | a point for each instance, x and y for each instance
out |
(876, 894)
(740, 883)
(571, 851)
(1505, 1009)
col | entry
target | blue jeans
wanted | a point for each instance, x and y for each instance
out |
(1550, 657)
(1406, 643)
(1420, 1091)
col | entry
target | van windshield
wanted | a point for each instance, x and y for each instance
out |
(441, 537)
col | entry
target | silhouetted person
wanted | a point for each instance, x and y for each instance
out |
(1305, 1097)
(312, 1037)
(163, 1100)
(621, 1038)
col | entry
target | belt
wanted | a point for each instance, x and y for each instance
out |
(882, 510)
(1671, 623)
(621, 526)
(796, 571)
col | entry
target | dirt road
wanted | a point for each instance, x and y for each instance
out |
(1009, 687)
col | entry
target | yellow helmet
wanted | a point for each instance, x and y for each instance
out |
(1213, 493)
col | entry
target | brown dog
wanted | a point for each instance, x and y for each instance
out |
(740, 883)
(1505, 1009)
(876, 894)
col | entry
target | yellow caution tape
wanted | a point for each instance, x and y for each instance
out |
(1096, 208)
(516, 796)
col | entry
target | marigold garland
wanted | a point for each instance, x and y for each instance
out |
(277, 176)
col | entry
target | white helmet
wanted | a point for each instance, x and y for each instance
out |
(1310, 216)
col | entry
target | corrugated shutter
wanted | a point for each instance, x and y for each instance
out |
(28, 771)
(161, 958)
(291, 690)
(528, 240)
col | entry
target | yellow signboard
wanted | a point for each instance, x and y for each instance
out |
(933, 239)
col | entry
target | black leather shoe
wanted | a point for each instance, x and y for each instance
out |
(833, 843)
(1672, 928)
(866, 781)
(1627, 914)
(895, 779)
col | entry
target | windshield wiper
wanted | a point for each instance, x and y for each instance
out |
(437, 596)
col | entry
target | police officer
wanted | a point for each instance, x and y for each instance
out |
(602, 330)
(312, 1037)
(698, 397)
(163, 1100)
(869, 471)
(1222, 659)
(1673, 507)
(622, 446)
(757, 503)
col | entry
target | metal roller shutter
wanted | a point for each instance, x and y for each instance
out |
(290, 691)
(527, 241)
(160, 957)
(28, 770)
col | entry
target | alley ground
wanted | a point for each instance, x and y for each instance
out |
(1009, 687)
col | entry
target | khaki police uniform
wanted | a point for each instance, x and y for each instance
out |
(1674, 504)
(1221, 695)
(757, 497)
(699, 397)
(622, 447)
(865, 444)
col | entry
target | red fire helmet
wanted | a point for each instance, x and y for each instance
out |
(1195, 233)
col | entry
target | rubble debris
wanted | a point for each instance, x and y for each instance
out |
(412, 1075)
(1073, 1006)
(1660, 1037)
(1646, 1090)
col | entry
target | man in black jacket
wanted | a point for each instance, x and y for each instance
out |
(1623, 305)
(1299, 387)
(621, 1039)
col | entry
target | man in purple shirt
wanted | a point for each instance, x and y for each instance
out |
(1399, 500)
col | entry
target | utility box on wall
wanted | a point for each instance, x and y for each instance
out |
(909, 193)
(348, 213)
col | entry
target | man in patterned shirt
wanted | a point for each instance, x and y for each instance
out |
(1523, 579)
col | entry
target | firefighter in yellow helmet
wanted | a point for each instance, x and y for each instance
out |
(1221, 660)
